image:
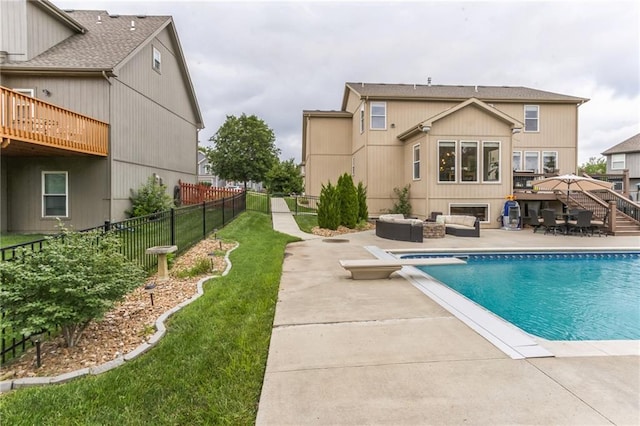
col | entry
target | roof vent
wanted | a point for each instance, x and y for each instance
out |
(476, 89)
(99, 20)
(133, 25)
(429, 81)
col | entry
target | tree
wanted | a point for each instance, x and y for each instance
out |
(403, 205)
(151, 198)
(594, 166)
(284, 177)
(363, 211)
(329, 207)
(244, 149)
(75, 278)
(348, 201)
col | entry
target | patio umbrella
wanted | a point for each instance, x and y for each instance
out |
(571, 181)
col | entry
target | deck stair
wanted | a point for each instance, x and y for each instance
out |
(627, 212)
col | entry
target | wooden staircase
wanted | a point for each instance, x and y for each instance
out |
(601, 203)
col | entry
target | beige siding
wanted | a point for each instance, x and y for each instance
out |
(329, 154)
(87, 198)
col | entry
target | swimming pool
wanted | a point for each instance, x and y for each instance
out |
(556, 296)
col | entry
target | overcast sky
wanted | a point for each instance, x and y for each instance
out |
(276, 59)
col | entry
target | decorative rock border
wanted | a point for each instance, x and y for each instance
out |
(7, 385)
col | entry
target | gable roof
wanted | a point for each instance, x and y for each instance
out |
(439, 92)
(630, 145)
(512, 122)
(104, 45)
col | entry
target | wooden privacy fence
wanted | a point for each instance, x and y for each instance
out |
(188, 193)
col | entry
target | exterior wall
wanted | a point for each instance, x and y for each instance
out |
(43, 31)
(3, 194)
(13, 29)
(87, 197)
(328, 153)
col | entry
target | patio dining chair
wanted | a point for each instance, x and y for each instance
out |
(581, 223)
(550, 223)
(599, 226)
(533, 220)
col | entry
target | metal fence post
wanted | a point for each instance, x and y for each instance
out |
(173, 227)
(107, 226)
(204, 219)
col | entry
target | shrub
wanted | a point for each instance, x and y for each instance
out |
(402, 205)
(329, 207)
(363, 212)
(74, 279)
(151, 198)
(348, 201)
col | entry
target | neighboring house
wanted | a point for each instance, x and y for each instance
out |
(92, 105)
(626, 156)
(205, 175)
(458, 147)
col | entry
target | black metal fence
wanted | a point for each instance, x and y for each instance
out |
(182, 227)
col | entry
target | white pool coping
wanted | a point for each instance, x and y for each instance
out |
(512, 340)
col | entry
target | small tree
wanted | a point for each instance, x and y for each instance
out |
(329, 207)
(75, 278)
(284, 177)
(402, 205)
(348, 201)
(594, 166)
(151, 198)
(363, 212)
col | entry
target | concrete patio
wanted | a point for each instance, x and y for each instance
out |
(372, 352)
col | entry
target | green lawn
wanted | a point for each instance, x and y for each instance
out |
(209, 367)
(306, 222)
(7, 240)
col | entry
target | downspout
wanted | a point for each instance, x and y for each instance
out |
(109, 157)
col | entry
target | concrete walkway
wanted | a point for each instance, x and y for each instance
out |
(347, 352)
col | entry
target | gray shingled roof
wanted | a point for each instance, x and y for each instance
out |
(102, 47)
(484, 93)
(630, 145)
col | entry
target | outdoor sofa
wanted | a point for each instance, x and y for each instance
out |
(459, 225)
(396, 227)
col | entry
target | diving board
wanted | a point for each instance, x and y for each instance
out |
(377, 269)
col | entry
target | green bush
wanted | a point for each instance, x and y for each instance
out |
(329, 207)
(402, 205)
(74, 279)
(363, 212)
(348, 201)
(151, 198)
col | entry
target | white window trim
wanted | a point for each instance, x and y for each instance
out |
(555, 154)
(615, 158)
(485, 205)
(537, 119)
(371, 105)
(499, 180)
(414, 162)
(455, 162)
(461, 167)
(155, 51)
(524, 161)
(66, 194)
(516, 167)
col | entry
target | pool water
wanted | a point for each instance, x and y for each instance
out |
(556, 297)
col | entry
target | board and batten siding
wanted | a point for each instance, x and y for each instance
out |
(44, 32)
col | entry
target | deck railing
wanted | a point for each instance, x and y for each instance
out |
(198, 193)
(30, 120)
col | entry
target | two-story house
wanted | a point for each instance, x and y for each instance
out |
(92, 105)
(458, 147)
(625, 156)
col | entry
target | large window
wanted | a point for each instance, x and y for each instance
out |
(617, 162)
(532, 161)
(446, 161)
(469, 161)
(54, 194)
(549, 161)
(416, 162)
(531, 118)
(517, 160)
(378, 115)
(481, 211)
(491, 161)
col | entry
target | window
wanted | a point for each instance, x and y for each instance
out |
(491, 161)
(531, 118)
(378, 115)
(157, 59)
(469, 161)
(617, 162)
(54, 194)
(446, 161)
(23, 110)
(481, 211)
(416, 162)
(362, 120)
(517, 160)
(531, 161)
(549, 161)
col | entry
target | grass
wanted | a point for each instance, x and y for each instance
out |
(7, 240)
(209, 367)
(306, 222)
